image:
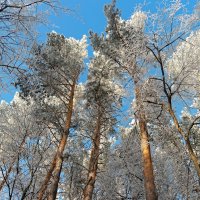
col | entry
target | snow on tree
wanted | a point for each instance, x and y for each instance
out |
(131, 131)
(103, 96)
(24, 149)
(18, 21)
(54, 71)
(127, 181)
(125, 44)
(166, 46)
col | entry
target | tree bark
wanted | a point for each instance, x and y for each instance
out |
(149, 180)
(56, 165)
(93, 164)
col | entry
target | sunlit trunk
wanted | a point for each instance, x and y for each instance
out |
(149, 180)
(93, 163)
(56, 165)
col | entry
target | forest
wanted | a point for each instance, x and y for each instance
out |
(130, 131)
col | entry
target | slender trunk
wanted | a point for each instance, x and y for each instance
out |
(93, 164)
(47, 179)
(71, 182)
(192, 155)
(12, 164)
(24, 194)
(56, 165)
(6, 176)
(149, 180)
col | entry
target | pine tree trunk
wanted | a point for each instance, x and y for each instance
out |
(57, 169)
(56, 165)
(149, 180)
(150, 187)
(93, 164)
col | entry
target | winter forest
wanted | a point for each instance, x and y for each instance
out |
(129, 131)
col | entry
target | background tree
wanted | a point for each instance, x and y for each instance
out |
(24, 149)
(18, 21)
(127, 181)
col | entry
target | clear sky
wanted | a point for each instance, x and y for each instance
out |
(89, 15)
(86, 15)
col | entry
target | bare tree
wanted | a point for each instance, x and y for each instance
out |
(18, 22)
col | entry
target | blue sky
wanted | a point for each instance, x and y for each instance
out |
(89, 15)
(86, 15)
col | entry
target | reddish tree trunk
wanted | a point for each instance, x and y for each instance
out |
(93, 164)
(56, 165)
(149, 180)
(47, 179)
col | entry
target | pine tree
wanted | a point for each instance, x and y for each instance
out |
(103, 100)
(55, 69)
(125, 44)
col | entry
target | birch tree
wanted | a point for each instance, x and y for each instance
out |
(22, 149)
